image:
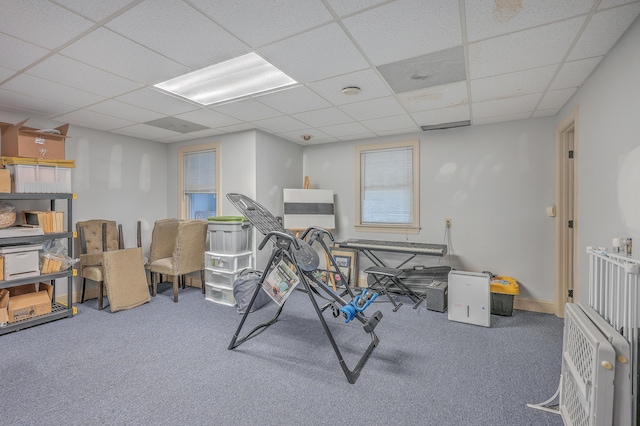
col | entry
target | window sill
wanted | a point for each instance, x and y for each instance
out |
(389, 229)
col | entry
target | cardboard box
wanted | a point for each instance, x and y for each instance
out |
(22, 141)
(5, 180)
(4, 307)
(21, 261)
(28, 304)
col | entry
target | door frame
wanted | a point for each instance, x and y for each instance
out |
(566, 239)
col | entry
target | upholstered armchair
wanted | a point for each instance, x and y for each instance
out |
(177, 249)
(96, 236)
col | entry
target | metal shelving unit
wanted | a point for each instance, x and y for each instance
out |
(58, 311)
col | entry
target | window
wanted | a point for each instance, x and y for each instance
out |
(387, 187)
(198, 185)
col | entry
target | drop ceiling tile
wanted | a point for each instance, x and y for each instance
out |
(435, 97)
(111, 52)
(508, 117)
(440, 116)
(433, 69)
(531, 48)
(94, 120)
(190, 136)
(369, 82)
(280, 124)
(247, 109)
(157, 101)
(341, 131)
(208, 118)
(605, 4)
(237, 128)
(69, 72)
(512, 105)
(177, 31)
(386, 124)
(358, 136)
(291, 101)
(489, 19)
(514, 84)
(125, 111)
(316, 54)
(556, 99)
(603, 30)
(398, 131)
(329, 139)
(265, 22)
(317, 136)
(22, 53)
(343, 8)
(95, 10)
(53, 92)
(373, 108)
(29, 104)
(6, 73)
(405, 29)
(545, 112)
(323, 117)
(144, 131)
(574, 73)
(41, 22)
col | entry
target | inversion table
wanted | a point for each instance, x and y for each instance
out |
(304, 258)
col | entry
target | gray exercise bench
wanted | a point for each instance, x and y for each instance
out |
(386, 277)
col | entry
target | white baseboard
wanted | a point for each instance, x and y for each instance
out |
(532, 305)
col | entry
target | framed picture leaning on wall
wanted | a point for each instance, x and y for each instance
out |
(347, 261)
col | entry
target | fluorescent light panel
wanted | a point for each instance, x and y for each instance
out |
(242, 76)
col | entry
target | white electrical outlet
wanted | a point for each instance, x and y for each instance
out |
(447, 222)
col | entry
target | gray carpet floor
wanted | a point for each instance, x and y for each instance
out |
(168, 363)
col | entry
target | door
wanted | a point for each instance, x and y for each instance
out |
(566, 223)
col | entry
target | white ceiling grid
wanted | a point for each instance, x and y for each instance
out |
(94, 63)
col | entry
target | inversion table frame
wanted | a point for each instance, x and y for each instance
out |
(299, 253)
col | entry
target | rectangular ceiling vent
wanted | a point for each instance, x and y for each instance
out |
(450, 125)
(175, 124)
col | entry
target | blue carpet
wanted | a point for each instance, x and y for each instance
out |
(168, 363)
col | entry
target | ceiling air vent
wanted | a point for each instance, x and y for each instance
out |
(450, 125)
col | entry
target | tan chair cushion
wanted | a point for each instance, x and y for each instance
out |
(125, 278)
(162, 266)
(93, 273)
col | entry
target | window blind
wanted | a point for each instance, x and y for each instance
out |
(200, 172)
(387, 186)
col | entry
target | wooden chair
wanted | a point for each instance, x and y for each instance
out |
(96, 236)
(177, 249)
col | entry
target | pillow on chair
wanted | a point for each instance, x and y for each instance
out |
(125, 278)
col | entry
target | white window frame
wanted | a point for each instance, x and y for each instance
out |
(183, 209)
(412, 228)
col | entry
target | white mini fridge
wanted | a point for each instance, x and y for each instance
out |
(470, 297)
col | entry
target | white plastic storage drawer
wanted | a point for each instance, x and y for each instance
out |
(229, 234)
(220, 278)
(227, 262)
(33, 178)
(219, 294)
(21, 261)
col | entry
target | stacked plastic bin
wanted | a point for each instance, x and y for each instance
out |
(228, 255)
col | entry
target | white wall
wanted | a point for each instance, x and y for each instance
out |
(116, 177)
(608, 151)
(278, 166)
(238, 169)
(253, 163)
(494, 181)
